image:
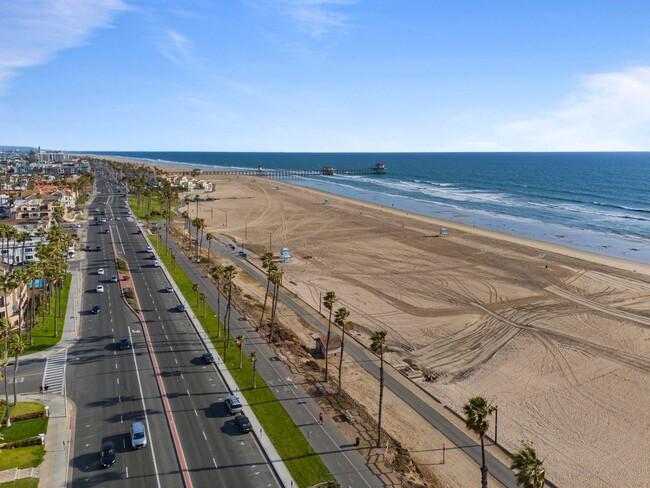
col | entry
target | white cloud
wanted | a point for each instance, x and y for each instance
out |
(175, 46)
(608, 112)
(33, 31)
(316, 17)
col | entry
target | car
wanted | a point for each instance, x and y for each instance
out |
(107, 231)
(180, 307)
(233, 404)
(169, 289)
(99, 288)
(107, 456)
(125, 343)
(243, 423)
(100, 271)
(95, 309)
(156, 263)
(207, 358)
(149, 249)
(113, 278)
(138, 436)
(103, 220)
(98, 248)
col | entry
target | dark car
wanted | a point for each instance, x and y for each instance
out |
(107, 455)
(207, 357)
(180, 307)
(113, 278)
(98, 248)
(124, 343)
(243, 423)
(95, 309)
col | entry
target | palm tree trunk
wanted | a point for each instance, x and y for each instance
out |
(338, 391)
(7, 415)
(209, 244)
(484, 469)
(327, 347)
(15, 371)
(274, 301)
(381, 396)
(266, 295)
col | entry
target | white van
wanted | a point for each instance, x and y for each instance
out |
(138, 437)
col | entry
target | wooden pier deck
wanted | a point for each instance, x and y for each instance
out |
(281, 174)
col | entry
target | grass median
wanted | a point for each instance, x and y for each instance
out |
(306, 467)
(43, 333)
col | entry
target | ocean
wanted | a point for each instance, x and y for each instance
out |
(597, 202)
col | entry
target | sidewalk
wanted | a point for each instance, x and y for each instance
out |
(53, 472)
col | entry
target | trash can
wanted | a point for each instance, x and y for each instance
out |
(357, 441)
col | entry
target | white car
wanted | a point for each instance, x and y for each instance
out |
(149, 249)
(100, 289)
(156, 263)
(100, 271)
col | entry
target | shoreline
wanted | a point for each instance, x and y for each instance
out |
(581, 243)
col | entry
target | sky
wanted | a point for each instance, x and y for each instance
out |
(325, 75)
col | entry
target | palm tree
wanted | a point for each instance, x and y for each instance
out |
(253, 358)
(202, 297)
(209, 236)
(531, 470)
(17, 348)
(195, 287)
(267, 263)
(276, 280)
(378, 344)
(477, 411)
(186, 216)
(239, 340)
(341, 316)
(328, 301)
(229, 273)
(217, 272)
(5, 333)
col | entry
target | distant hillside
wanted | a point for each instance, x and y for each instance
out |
(16, 148)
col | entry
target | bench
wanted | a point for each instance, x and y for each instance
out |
(348, 416)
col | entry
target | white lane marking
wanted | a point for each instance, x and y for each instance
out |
(127, 469)
(118, 381)
(195, 412)
(171, 348)
(188, 392)
(215, 463)
(146, 417)
(182, 377)
(204, 436)
(121, 419)
(175, 360)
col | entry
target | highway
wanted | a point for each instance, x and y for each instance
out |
(161, 380)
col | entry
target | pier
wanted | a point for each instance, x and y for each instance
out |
(282, 174)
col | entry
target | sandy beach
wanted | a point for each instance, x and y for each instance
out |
(559, 339)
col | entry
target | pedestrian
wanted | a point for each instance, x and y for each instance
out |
(40, 389)
(46, 387)
(320, 418)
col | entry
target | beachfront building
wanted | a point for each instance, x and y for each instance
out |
(334, 349)
(13, 304)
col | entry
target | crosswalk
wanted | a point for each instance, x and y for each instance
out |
(54, 375)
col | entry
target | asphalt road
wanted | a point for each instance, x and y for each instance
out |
(112, 387)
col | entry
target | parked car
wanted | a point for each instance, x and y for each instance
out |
(107, 456)
(207, 358)
(149, 249)
(125, 343)
(95, 309)
(169, 289)
(100, 271)
(113, 278)
(138, 436)
(232, 404)
(156, 263)
(243, 423)
(180, 307)
(99, 288)
(98, 248)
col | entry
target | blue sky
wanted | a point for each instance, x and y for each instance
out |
(325, 75)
